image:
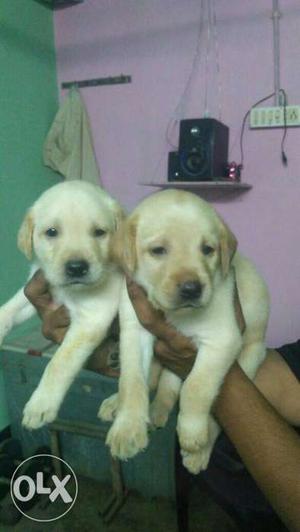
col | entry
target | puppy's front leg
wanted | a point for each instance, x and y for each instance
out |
(16, 310)
(128, 434)
(165, 399)
(59, 374)
(198, 394)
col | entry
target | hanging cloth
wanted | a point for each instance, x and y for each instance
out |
(68, 148)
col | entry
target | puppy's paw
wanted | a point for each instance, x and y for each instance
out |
(197, 461)
(159, 414)
(108, 408)
(127, 436)
(192, 432)
(39, 410)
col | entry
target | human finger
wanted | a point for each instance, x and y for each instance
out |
(38, 293)
(174, 361)
(146, 313)
(55, 324)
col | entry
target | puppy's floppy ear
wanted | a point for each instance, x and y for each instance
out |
(123, 246)
(228, 246)
(25, 235)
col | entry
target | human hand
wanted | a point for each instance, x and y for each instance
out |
(174, 350)
(179, 362)
(55, 320)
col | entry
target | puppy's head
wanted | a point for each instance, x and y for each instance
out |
(176, 246)
(68, 230)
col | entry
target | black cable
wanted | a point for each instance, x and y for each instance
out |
(283, 155)
(244, 122)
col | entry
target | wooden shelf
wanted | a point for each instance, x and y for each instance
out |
(202, 185)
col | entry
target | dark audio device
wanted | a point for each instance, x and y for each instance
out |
(202, 152)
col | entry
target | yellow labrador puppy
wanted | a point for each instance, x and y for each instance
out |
(177, 247)
(67, 233)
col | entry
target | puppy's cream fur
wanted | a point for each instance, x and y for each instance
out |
(173, 241)
(71, 221)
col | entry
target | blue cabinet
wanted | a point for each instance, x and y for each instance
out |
(151, 472)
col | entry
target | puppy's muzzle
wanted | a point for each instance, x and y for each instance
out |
(190, 291)
(76, 269)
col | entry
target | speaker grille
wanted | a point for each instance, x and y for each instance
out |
(202, 152)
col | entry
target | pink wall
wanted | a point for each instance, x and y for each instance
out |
(154, 41)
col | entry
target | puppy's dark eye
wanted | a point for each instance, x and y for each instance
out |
(158, 250)
(207, 250)
(52, 232)
(98, 232)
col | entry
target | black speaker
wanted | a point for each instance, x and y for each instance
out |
(202, 153)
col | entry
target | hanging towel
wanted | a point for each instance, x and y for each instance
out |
(68, 147)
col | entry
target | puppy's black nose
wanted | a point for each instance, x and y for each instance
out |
(190, 290)
(76, 268)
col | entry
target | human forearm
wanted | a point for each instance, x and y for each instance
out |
(268, 446)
